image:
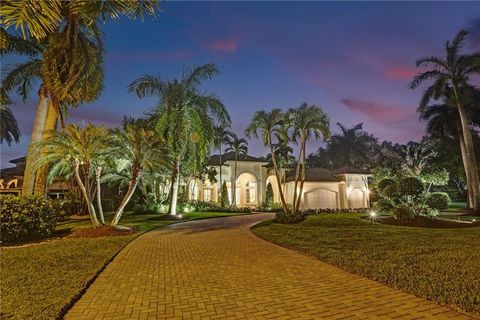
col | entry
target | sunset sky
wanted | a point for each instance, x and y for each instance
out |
(353, 59)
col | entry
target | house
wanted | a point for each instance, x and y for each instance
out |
(11, 181)
(343, 188)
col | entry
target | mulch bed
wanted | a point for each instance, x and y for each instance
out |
(424, 222)
(105, 231)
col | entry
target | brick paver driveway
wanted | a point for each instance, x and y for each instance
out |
(217, 269)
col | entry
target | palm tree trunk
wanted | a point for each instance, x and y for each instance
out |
(132, 185)
(37, 131)
(297, 177)
(234, 190)
(470, 156)
(302, 177)
(221, 189)
(465, 166)
(41, 175)
(98, 172)
(91, 209)
(277, 176)
(175, 183)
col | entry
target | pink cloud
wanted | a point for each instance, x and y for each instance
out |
(404, 73)
(381, 113)
(222, 46)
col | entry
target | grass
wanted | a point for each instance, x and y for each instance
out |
(456, 206)
(438, 264)
(39, 281)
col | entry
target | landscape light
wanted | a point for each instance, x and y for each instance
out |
(373, 214)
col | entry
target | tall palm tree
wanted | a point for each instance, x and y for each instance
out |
(239, 146)
(454, 70)
(136, 150)
(221, 137)
(269, 124)
(72, 54)
(78, 150)
(9, 131)
(444, 121)
(351, 147)
(184, 116)
(306, 122)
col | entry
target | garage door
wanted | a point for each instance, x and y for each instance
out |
(357, 199)
(320, 198)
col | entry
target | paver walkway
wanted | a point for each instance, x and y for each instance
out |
(217, 269)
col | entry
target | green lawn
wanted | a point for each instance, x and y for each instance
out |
(456, 206)
(438, 264)
(39, 280)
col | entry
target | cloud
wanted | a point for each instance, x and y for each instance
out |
(380, 113)
(222, 46)
(402, 73)
(94, 114)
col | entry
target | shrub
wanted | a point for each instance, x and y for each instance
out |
(288, 218)
(437, 200)
(410, 187)
(390, 191)
(150, 208)
(384, 205)
(225, 202)
(270, 207)
(385, 183)
(27, 218)
(404, 212)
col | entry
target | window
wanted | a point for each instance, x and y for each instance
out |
(207, 195)
(251, 192)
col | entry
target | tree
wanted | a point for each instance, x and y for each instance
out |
(305, 122)
(72, 55)
(351, 147)
(454, 70)
(239, 146)
(221, 137)
(269, 124)
(443, 121)
(224, 201)
(185, 117)
(9, 131)
(135, 150)
(78, 150)
(417, 157)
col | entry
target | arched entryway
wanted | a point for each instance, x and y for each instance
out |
(246, 190)
(194, 189)
(272, 181)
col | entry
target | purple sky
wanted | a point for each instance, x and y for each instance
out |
(353, 59)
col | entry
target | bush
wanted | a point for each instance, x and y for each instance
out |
(270, 207)
(384, 205)
(150, 208)
(288, 218)
(390, 191)
(27, 218)
(385, 183)
(404, 212)
(410, 187)
(224, 201)
(437, 200)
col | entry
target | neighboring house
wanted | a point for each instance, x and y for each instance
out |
(11, 181)
(344, 188)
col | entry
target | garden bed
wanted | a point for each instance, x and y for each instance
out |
(104, 231)
(425, 222)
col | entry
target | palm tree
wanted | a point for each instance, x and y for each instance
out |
(78, 150)
(351, 147)
(239, 146)
(70, 69)
(305, 122)
(136, 149)
(8, 126)
(269, 124)
(222, 136)
(455, 71)
(184, 116)
(444, 121)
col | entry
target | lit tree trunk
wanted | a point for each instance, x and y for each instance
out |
(465, 166)
(234, 186)
(91, 209)
(41, 174)
(277, 176)
(175, 183)
(98, 172)
(221, 186)
(132, 185)
(469, 155)
(302, 176)
(37, 131)
(297, 179)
